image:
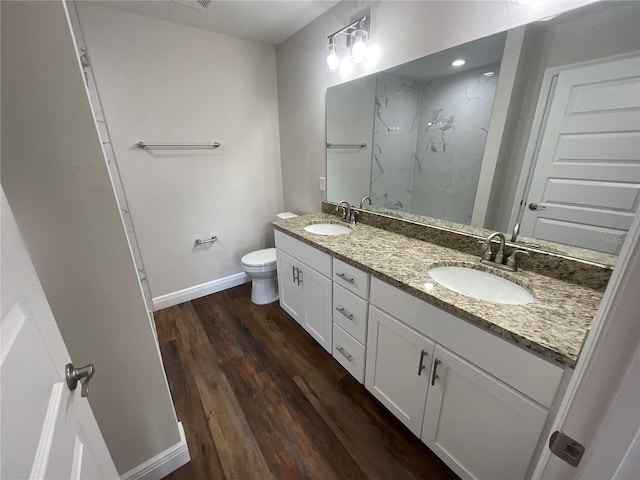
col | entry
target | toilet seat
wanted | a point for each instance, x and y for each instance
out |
(260, 258)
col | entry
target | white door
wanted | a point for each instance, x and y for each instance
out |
(479, 426)
(291, 295)
(398, 368)
(317, 306)
(585, 185)
(48, 431)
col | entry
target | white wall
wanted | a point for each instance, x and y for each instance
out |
(57, 183)
(403, 31)
(164, 82)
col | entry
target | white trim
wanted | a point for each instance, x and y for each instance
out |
(181, 296)
(162, 464)
(601, 322)
(535, 134)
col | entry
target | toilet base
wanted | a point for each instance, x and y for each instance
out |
(264, 290)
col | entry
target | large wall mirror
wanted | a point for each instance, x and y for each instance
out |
(539, 127)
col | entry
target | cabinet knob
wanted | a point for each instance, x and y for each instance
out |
(344, 353)
(345, 278)
(344, 312)
(421, 364)
(434, 375)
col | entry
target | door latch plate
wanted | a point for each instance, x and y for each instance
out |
(566, 448)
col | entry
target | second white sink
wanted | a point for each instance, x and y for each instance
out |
(481, 285)
(327, 229)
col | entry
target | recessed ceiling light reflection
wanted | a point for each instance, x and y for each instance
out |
(458, 63)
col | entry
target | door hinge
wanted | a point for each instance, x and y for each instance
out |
(566, 448)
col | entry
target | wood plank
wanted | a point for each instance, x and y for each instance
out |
(239, 453)
(293, 430)
(259, 398)
(205, 462)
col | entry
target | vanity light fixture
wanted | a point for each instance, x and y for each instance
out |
(333, 55)
(458, 63)
(357, 35)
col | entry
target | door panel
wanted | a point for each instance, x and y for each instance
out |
(47, 430)
(394, 354)
(493, 436)
(587, 171)
(317, 306)
(289, 290)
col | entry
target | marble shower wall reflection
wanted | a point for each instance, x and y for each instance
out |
(429, 140)
(395, 133)
(112, 164)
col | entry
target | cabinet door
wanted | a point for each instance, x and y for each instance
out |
(317, 318)
(398, 367)
(291, 295)
(479, 426)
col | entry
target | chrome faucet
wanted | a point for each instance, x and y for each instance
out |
(487, 256)
(366, 199)
(497, 260)
(344, 208)
(347, 212)
(516, 231)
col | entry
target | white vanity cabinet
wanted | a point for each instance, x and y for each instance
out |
(350, 312)
(398, 368)
(480, 427)
(304, 283)
(478, 401)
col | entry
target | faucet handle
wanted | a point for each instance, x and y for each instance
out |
(486, 255)
(511, 261)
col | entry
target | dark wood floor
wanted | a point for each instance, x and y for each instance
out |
(260, 399)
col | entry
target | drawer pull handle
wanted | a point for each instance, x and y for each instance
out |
(435, 376)
(345, 278)
(421, 364)
(344, 312)
(344, 353)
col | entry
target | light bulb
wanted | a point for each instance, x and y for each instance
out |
(358, 46)
(333, 57)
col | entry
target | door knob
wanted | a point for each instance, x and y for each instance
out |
(535, 206)
(83, 374)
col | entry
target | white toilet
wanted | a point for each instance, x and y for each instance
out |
(261, 267)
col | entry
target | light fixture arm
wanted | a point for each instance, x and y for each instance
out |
(361, 23)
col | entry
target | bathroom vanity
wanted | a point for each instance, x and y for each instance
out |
(475, 381)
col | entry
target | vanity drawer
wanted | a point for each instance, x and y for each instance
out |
(351, 278)
(319, 261)
(349, 353)
(350, 313)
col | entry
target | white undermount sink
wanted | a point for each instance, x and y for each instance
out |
(327, 229)
(481, 285)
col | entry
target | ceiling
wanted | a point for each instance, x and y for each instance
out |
(479, 53)
(263, 21)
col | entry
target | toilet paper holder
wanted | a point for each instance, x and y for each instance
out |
(206, 240)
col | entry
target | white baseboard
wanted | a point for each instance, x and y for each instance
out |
(181, 296)
(162, 464)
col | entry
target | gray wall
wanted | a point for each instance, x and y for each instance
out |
(403, 31)
(57, 183)
(170, 83)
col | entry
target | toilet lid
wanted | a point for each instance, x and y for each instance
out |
(260, 258)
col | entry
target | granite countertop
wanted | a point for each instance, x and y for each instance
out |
(554, 325)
